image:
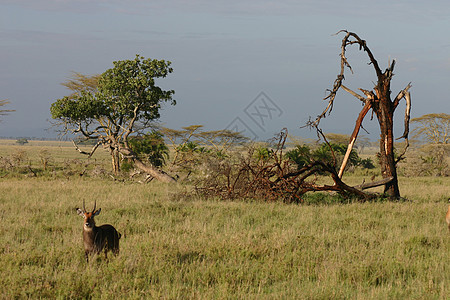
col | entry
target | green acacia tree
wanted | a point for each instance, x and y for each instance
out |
(122, 101)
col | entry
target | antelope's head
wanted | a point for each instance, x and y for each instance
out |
(89, 221)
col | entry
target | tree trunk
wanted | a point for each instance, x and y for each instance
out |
(115, 160)
(384, 109)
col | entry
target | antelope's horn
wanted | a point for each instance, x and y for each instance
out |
(84, 208)
(95, 205)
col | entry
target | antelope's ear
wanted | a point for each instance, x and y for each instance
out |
(80, 212)
(97, 212)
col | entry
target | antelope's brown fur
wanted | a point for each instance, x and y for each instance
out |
(98, 238)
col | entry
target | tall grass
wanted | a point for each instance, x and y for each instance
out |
(189, 248)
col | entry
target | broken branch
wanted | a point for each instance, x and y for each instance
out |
(354, 135)
(353, 93)
(372, 184)
(346, 41)
(88, 153)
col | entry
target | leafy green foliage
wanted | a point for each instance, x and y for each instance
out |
(366, 163)
(84, 107)
(151, 147)
(191, 147)
(131, 84)
(303, 155)
(300, 155)
(125, 90)
(324, 152)
(262, 153)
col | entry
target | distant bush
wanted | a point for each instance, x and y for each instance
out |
(22, 141)
(88, 142)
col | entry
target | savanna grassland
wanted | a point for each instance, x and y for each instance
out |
(178, 247)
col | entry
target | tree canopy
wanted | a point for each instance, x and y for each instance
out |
(125, 94)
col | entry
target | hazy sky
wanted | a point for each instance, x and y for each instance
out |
(253, 65)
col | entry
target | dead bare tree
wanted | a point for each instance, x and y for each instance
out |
(379, 101)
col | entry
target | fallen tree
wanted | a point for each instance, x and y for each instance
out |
(276, 177)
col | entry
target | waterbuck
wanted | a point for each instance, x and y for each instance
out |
(98, 238)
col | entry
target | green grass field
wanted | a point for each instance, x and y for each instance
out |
(187, 248)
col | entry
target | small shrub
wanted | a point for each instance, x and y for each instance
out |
(302, 155)
(428, 160)
(127, 166)
(45, 158)
(18, 158)
(262, 153)
(367, 163)
(150, 147)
